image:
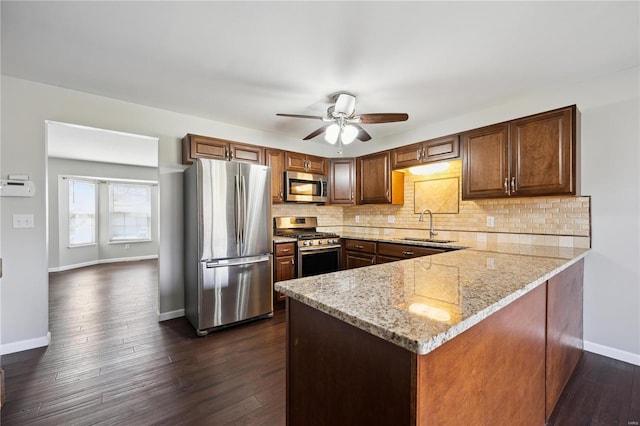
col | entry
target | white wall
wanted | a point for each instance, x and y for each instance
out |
(60, 255)
(610, 125)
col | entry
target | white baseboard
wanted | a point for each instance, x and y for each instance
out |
(101, 261)
(25, 345)
(610, 352)
(170, 315)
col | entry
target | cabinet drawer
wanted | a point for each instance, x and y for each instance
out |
(402, 251)
(360, 246)
(285, 249)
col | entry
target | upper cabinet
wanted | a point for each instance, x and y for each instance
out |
(377, 183)
(342, 181)
(275, 159)
(530, 156)
(194, 146)
(296, 162)
(445, 148)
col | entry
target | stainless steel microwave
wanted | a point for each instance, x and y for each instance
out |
(305, 187)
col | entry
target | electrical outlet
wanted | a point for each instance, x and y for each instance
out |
(490, 221)
(126, 246)
(491, 263)
(357, 219)
(391, 219)
(22, 221)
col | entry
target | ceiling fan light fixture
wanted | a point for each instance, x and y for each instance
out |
(331, 134)
(349, 134)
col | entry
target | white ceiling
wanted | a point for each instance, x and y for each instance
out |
(84, 143)
(242, 62)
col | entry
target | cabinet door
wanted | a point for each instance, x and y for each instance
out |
(485, 167)
(543, 154)
(246, 153)
(194, 146)
(374, 172)
(295, 161)
(275, 159)
(285, 269)
(407, 156)
(357, 260)
(317, 165)
(342, 181)
(446, 148)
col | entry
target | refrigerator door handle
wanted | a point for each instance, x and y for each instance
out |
(243, 188)
(235, 262)
(237, 209)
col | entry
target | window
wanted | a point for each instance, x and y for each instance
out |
(129, 212)
(82, 212)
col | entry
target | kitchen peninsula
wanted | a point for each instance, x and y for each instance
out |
(485, 335)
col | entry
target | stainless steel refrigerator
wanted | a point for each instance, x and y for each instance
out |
(228, 243)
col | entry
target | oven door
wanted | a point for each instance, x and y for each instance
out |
(318, 260)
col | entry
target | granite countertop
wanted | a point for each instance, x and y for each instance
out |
(421, 303)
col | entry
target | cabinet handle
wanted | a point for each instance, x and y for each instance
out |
(424, 154)
(419, 155)
(293, 262)
(386, 194)
(285, 250)
(281, 196)
(230, 155)
(351, 195)
(373, 260)
(408, 253)
(506, 185)
(358, 246)
(513, 184)
(226, 153)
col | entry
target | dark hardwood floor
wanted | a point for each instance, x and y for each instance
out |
(111, 362)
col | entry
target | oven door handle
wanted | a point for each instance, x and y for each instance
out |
(317, 249)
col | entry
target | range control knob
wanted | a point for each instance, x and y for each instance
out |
(319, 242)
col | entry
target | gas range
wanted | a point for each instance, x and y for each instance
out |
(317, 252)
(303, 229)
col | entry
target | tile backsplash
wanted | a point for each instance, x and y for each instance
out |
(557, 221)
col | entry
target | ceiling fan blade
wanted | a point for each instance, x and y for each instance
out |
(383, 118)
(315, 133)
(362, 134)
(313, 117)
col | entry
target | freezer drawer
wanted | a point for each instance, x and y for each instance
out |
(233, 290)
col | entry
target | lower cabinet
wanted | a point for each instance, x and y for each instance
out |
(388, 252)
(359, 253)
(284, 265)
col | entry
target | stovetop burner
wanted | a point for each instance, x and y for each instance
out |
(301, 228)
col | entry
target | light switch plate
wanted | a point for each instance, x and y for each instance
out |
(490, 221)
(22, 221)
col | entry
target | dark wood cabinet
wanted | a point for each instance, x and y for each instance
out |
(342, 181)
(393, 251)
(275, 159)
(284, 265)
(485, 164)
(359, 253)
(377, 183)
(194, 146)
(530, 156)
(445, 148)
(297, 162)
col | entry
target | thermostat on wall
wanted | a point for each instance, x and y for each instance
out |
(17, 188)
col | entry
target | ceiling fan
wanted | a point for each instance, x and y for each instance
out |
(343, 123)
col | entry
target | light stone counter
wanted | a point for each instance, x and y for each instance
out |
(277, 240)
(419, 304)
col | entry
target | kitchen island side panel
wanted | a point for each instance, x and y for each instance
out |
(492, 374)
(338, 374)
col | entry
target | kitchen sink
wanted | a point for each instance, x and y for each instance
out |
(428, 240)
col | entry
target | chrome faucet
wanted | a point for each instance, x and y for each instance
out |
(432, 233)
